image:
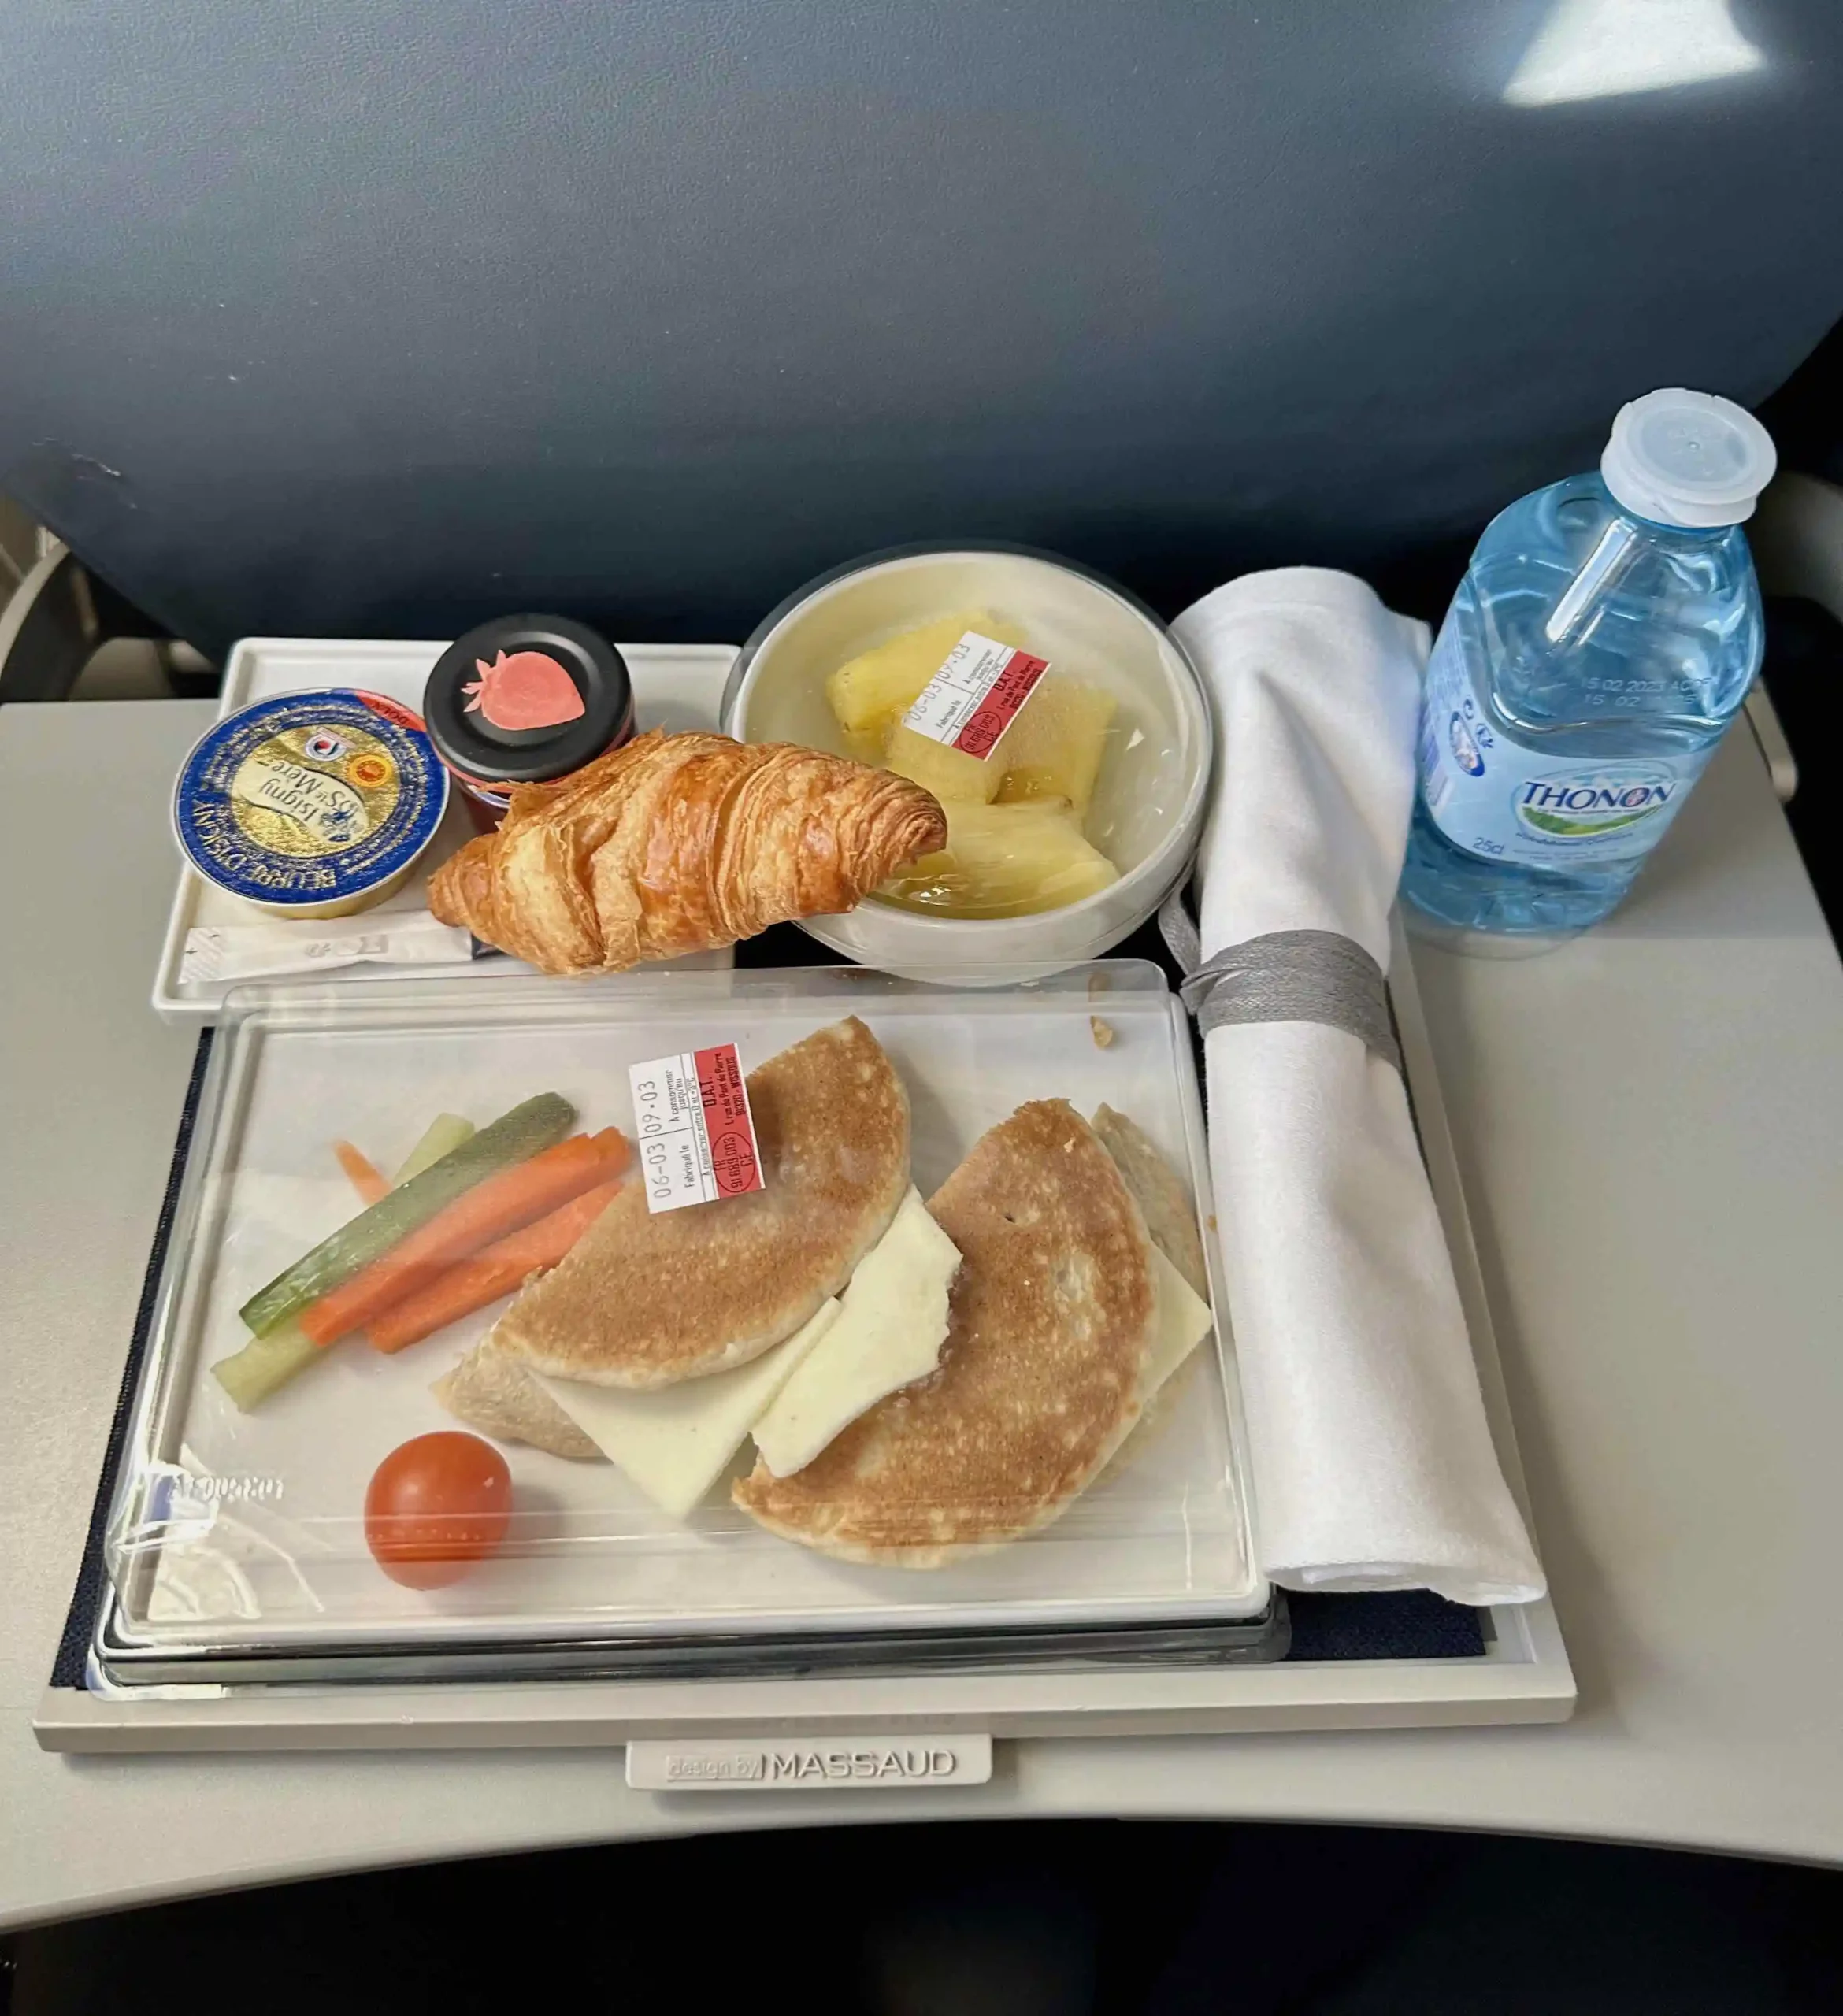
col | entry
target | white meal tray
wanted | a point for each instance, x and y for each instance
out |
(1163, 1535)
(675, 687)
(1523, 1675)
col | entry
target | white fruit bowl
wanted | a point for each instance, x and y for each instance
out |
(1149, 800)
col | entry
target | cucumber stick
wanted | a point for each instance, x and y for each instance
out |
(265, 1364)
(527, 1130)
(442, 1137)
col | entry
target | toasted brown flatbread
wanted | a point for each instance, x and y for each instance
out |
(645, 1299)
(1171, 1218)
(1162, 1195)
(499, 1395)
(1050, 1321)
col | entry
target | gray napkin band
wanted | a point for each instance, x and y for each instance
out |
(1282, 976)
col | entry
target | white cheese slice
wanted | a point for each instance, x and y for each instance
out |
(674, 1442)
(1183, 1322)
(892, 1323)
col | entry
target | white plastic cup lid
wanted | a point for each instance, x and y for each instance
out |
(1688, 459)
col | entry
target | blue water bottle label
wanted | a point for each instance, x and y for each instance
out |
(1495, 798)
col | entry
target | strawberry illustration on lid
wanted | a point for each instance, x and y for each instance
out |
(530, 689)
(524, 699)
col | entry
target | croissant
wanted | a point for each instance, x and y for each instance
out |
(677, 843)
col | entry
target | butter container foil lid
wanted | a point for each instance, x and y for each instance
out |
(309, 798)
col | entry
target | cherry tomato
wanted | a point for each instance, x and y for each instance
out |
(435, 1507)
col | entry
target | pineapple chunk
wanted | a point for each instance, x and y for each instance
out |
(951, 774)
(864, 747)
(868, 694)
(1004, 860)
(1054, 746)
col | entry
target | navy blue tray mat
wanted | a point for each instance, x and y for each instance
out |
(67, 1668)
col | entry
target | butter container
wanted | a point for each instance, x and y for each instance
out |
(310, 805)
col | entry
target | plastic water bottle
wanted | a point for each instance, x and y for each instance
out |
(1606, 633)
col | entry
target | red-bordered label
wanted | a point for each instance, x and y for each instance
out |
(393, 710)
(696, 1134)
(975, 696)
(728, 1125)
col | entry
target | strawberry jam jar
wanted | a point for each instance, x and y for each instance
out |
(525, 700)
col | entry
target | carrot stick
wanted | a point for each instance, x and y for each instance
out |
(361, 1172)
(488, 1211)
(495, 1270)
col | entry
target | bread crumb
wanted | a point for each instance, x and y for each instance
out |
(1102, 1032)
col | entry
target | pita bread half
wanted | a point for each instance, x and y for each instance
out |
(1050, 1322)
(1170, 1217)
(501, 1397)
(644, 1300)
(1163, 1196)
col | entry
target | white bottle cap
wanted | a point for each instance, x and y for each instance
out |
(1688, 459)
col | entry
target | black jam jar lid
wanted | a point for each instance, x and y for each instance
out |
(526, 699)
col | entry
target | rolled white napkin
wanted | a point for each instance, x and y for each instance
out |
(1373, 1461)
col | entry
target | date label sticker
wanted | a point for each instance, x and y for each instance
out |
(693, 1129)
(975, 695)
